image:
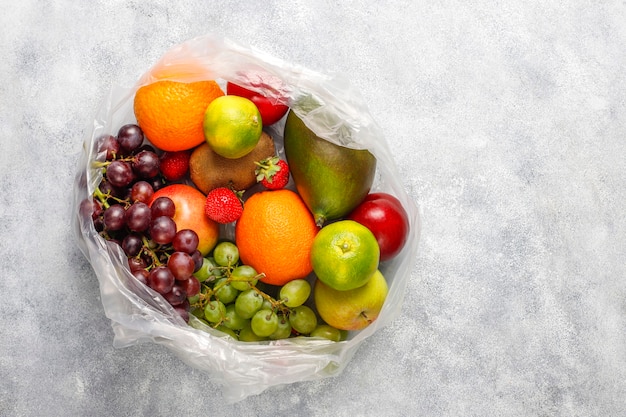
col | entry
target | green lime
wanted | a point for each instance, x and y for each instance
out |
(232, 126)
(345, 255)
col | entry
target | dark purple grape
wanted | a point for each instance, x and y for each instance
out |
(90, 207)
(141, 275)
(156, 182)
(98, 224)
(183, 312)
(107, 188)
(163, 206)
(161, 280)
(146, 164)
(186, 240)
(138, 217)
(162, 230)
(141, 191)
(176, 296)
(198, 259)
(130, 137)
(120, 174)
(191, 286)
(137, 264)
(132, 244)
(182, 265)
(114, 217)
(110, 145)
(97, 209)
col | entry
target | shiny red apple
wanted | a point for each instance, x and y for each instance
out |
(270, 110)
(384, 215)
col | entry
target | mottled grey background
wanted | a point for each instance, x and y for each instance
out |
(508, 125)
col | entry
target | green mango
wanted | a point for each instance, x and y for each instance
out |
(331, 179)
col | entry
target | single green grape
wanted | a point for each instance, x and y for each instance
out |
(327, 332)
(194, 299)
(247, 303)
(264, 322)
(226, 253)
(197, 311)
(295, 293)
(283, 329)
(247, 335)
(242, 277)
(267, 304)
(303, 319)
(225, 292)
(228, 331)
(214, 311)
(195, 324)
(232, 320)
(209, 269)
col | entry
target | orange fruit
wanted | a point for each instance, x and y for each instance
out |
(171, 113)
(274, 235)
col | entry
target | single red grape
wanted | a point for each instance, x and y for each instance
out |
(176, 296)
(163, 206)
(141, 191)
(138, 217)
(162, 230)
(182, 265)
(186, 240)
(120, 174)
(146, 164)
(114, 217)
(161, 280)
(130, 137)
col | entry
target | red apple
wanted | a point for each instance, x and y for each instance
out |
(271, 112)
(189, 214)
(384, 215)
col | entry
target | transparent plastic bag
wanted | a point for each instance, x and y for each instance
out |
(331, 108)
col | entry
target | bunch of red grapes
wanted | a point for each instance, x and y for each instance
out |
(159, 256)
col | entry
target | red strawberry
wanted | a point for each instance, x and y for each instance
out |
(174, 165)
(223, 205)
(272, 172)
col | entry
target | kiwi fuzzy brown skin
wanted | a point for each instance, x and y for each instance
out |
(209, 170)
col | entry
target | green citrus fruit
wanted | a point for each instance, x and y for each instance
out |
(232, 126)
(345, 255)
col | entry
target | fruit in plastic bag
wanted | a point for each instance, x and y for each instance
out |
(328, 106)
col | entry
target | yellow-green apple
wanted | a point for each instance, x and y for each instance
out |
(352, 309)
(189, 214)
(384, 215)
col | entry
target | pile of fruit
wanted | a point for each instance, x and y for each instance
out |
(259, 238)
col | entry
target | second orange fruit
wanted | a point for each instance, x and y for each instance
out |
(171, 113)
(274, 235)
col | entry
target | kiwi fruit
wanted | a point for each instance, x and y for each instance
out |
(209, 170)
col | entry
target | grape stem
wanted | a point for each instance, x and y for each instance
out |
(148, 251)
(276, 304)
(102, 198)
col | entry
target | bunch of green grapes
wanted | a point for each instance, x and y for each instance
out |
(232, 299)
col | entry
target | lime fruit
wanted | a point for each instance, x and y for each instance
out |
(232, 126)
(345, 255)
